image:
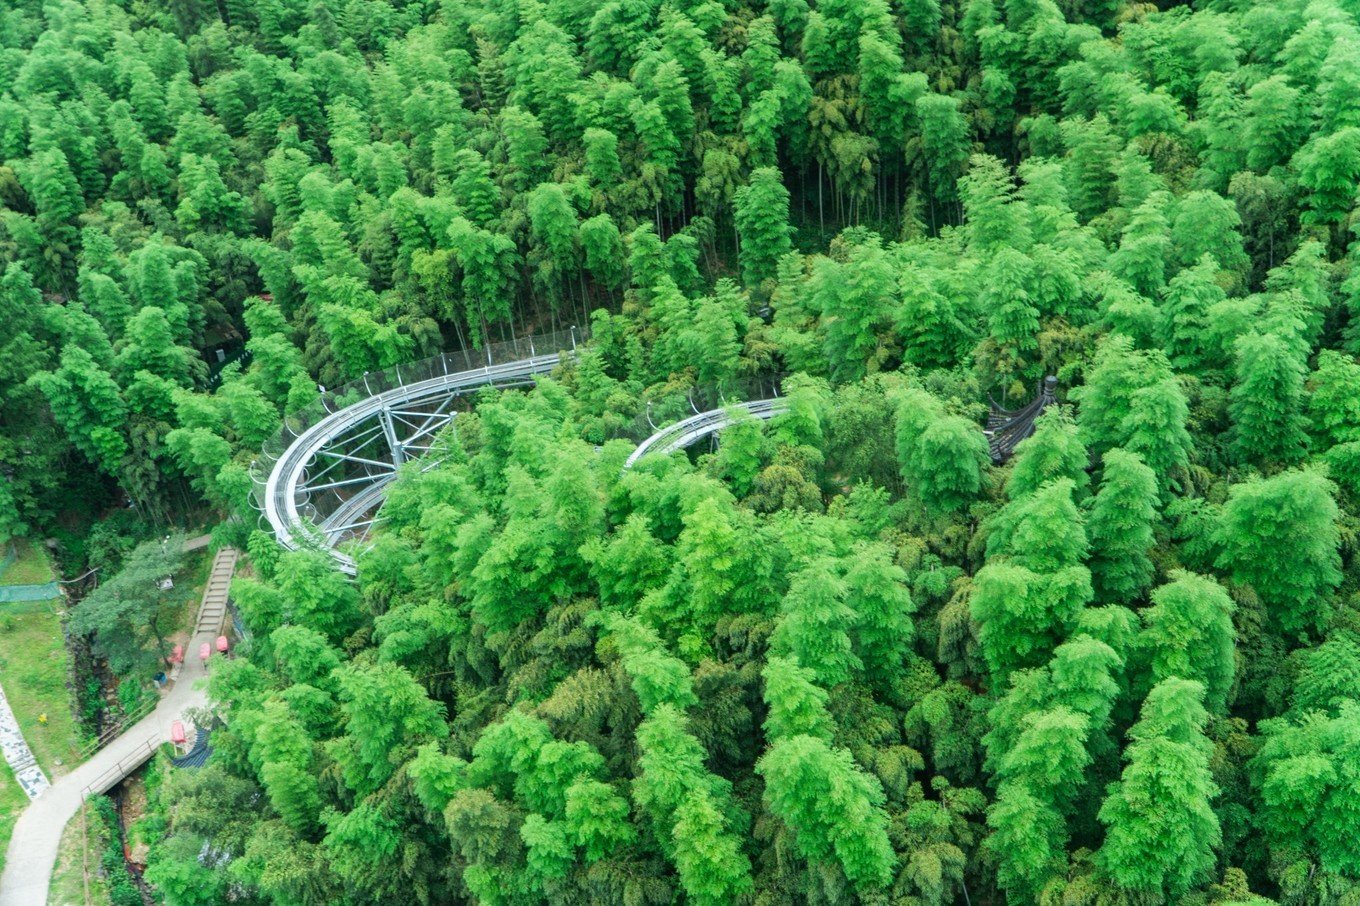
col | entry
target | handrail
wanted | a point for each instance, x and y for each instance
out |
(332, 402)
(339, 417)
(125, 766)
(284, 460)
(113, 732)
(686, 431)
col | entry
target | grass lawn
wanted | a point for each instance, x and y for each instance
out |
(81, 848)
(34, 666)
(31, 567)
(12, 802)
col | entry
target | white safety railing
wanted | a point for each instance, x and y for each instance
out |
(704, 424)
(324, 476)
(319, 479)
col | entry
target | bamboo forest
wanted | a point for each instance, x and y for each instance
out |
(642, 452)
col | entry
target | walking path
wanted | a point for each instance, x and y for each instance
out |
(212, 612)
(37, 835)
(20, 757)
(15, 748)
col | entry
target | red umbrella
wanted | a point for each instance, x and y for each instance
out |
(222, 644)
(204, 652)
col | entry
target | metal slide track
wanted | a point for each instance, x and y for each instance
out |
(347, 438)
(360, 447)
(687, 431)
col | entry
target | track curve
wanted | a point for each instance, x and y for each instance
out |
(704, 424)
(358, 448)
(365, 443)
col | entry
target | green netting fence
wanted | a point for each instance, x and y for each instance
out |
(45, 592)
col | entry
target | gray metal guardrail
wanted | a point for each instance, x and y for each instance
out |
(328, 467)
(122, 768)
(704, 424)
(322, 478)
(110, 734)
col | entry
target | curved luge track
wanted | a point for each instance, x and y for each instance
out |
(331, 477)
(703, 424)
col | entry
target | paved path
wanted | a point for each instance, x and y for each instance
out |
(16, 751)
(33, 848)
(212, 611)
(197, 544)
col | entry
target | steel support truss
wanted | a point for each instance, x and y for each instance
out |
(327, 486)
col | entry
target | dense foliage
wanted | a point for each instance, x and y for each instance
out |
(844, 658)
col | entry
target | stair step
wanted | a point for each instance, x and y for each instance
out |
(212, 608)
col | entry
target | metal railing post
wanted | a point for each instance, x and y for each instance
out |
(389, 429)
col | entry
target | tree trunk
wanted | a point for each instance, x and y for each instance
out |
(821, 211)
